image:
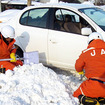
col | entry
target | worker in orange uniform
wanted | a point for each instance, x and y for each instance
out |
(92, 60)
(7, 48)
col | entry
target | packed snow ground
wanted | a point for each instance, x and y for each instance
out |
(36, 84)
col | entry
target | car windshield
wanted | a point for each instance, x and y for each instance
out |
(97, 15)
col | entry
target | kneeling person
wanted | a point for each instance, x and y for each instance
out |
(92, 60)
(7, 48)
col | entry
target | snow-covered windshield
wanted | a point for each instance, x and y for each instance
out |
(96, 14)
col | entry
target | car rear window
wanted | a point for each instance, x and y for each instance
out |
(35, 17)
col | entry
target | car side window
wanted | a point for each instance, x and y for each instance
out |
(35, 17)
(69, 21)
(24, 18)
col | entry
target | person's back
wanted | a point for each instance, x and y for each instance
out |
(92, 60)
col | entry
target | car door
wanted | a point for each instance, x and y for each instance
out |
(64, 45)
(32, 30)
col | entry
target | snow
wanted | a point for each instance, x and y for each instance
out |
(53, 1)
(8, 14)
(36, 84)
(88, 2)
(103, 7)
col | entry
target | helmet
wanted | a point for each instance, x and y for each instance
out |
(8, 31)
(94, 35)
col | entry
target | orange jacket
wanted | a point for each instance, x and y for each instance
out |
(5, 49)
(92, 60)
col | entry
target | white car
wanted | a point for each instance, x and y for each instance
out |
(59, 32)
(8, 14)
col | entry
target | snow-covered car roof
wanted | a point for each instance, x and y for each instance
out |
(76, 5)
(62, 4)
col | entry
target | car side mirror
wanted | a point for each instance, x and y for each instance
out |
(86, 31)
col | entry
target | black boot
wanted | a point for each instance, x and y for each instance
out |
(101, 100)
(2, 70)
(87, 100)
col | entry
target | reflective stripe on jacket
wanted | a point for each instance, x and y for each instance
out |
(92, 60)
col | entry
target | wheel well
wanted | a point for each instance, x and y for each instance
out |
(19, 51)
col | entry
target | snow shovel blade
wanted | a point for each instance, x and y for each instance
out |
(31, 57)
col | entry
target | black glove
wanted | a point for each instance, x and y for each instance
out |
(88, 100)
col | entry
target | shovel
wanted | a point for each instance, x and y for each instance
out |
(29, 57)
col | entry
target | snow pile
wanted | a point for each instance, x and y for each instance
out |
(54, 1)
(88, 2)
(103, 7)
(35, 84)
(8, 14)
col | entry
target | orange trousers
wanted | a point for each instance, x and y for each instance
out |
(91, 88)
(10, 65)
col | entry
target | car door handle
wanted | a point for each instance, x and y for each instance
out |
(53, 40)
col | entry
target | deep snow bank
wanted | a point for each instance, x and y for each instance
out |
(35, 85)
